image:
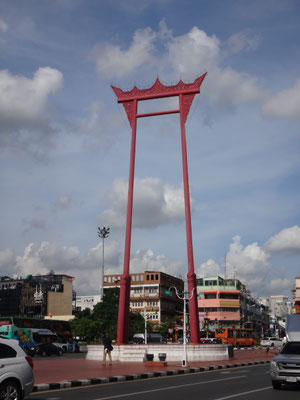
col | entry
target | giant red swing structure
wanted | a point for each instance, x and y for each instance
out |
(186, 93)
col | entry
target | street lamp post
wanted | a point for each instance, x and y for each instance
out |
(145, 317)
(184, 296)
(103, 234)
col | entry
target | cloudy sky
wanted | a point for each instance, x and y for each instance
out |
(65, 142)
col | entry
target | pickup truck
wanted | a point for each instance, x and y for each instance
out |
(285, 367)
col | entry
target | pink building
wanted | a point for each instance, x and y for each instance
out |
(220, 302)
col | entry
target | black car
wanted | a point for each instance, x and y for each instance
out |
(44, 349)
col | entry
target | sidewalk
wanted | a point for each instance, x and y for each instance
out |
(55, 374)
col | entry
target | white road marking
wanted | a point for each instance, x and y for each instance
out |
(243, 393)
(169, 388)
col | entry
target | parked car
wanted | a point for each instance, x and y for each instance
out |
(44, 349)
(16, 372)
(285, 367)
(272, 342)
(64, 345)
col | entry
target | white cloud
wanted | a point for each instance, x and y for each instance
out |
(45, 256)
(184, 57)
(227, 87)
(40, 258)
(62, 202)
(209, 268)
(155, 203)
(286, 240)
(285, 103)
(3, 25)
(241, 41)
(249, 264)
(99, 123)
(279, 285)
(113, 61)
(25, 99)
(187, 56)
(24, 112)
(193, 52)
(146, 260)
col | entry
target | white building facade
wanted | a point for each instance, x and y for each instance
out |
(83, 302)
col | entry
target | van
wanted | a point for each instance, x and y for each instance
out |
(139, 338)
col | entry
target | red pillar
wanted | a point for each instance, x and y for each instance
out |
(191, 277)
(123, 317)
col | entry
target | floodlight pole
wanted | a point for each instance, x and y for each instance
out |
(129, 99)
(103, 234)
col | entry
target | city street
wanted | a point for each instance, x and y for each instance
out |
(247, 383)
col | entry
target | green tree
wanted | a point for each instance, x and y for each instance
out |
(136, 324)
(104, 319)
(106, 313)
(85, 328)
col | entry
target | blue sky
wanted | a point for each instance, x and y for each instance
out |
(65, 142)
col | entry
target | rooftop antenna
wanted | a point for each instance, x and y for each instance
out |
(225, 269)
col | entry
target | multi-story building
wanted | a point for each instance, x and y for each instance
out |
(219, 303)
(279, 306)
(37, 296)
(296, 296)
(148, 294)
(227, 303)
(81, 303)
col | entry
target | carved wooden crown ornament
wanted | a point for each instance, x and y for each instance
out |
(156, 91)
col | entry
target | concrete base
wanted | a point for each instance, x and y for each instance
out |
(174, 352)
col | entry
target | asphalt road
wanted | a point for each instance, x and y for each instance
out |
(245, 383)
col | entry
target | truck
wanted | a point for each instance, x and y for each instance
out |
(285, 366)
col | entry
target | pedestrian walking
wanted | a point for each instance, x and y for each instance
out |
(107, 348)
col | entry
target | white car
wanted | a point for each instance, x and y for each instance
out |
(16, 371)
(272, 342)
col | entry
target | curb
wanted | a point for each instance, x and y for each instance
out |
(96, 381)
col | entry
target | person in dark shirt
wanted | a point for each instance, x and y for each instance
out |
(107, 348)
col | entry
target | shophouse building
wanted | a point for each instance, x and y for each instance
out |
(227, 303)
(148, 294)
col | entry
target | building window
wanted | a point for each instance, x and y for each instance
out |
(210, 296)
(228, 296)
(156, 277)
(152, 277)
(147, 277)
